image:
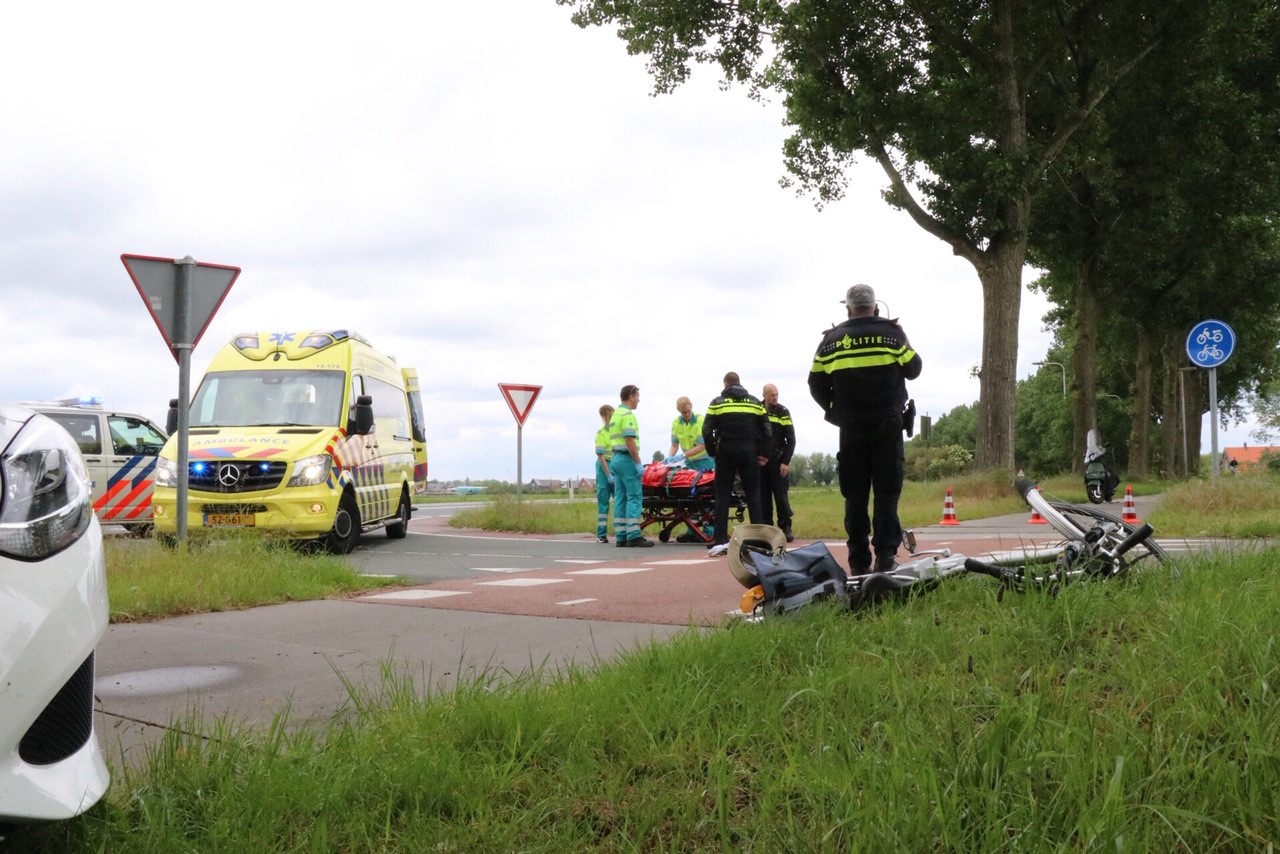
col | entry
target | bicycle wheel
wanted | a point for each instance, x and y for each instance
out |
(1086, 517)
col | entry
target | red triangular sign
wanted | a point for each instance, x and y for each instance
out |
(520, 398)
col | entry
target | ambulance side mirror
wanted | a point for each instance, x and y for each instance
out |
(362, 422)
(171, 420)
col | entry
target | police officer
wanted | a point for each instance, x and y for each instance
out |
(628, 498)
(858, 378)
(736, 430)
(775, 485)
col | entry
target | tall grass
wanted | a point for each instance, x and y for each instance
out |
(147, 581)
(1132, 715)
(1244, 505)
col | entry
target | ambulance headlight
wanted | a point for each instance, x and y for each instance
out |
(166, 473)
(311, 471)
(44, 505)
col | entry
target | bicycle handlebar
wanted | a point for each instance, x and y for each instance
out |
(1000, 573)
(1139, 534)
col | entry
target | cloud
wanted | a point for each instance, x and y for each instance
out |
(483, 190)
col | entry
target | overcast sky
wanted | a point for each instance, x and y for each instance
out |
(481, 189)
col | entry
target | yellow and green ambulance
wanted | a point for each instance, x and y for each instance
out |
(308, 435)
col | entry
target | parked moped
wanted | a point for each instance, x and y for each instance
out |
(1100, 477)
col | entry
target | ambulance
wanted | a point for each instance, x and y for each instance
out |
(119, 450)
(310, 435)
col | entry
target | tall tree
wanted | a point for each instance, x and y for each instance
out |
(1164, 213)
(956, 100)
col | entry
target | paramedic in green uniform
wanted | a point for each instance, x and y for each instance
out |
(604, 478)
(628, 498)
(686, 437)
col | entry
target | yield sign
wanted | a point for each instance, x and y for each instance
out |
(182, 295)
(520, 398)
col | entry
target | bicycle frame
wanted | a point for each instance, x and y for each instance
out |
(1097, 551)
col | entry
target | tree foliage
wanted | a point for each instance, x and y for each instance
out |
(958, 101)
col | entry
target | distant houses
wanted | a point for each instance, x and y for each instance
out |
(1249, 457)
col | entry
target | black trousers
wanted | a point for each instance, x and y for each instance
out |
(870, 460)
(775, 491)
(740, 464)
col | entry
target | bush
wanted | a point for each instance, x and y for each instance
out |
(934, 463)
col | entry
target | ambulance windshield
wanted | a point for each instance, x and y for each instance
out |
(269, 398)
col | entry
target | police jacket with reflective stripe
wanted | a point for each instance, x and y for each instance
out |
(859, 372)
(736, 420)
(783, 443)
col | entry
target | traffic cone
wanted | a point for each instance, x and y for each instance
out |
(1036, 518)
(949, 511)
(1130, 514)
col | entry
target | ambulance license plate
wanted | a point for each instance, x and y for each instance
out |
(228, 520)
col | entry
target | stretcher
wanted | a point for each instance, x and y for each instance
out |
(678, 495)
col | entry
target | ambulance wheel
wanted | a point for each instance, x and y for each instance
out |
(400, 527)
(346, 527)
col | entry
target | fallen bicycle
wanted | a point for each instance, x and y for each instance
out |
(1094, 545)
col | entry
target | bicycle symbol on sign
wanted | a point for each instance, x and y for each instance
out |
(1213, 351)
(1207, 335)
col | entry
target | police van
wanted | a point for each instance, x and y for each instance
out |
(309, 435)
(119, 450)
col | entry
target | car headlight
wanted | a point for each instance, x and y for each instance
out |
(310, 471)
(166, 472)
(44, 503)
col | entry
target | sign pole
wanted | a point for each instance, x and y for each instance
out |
(520, 399)
(1209, 344)
(519, 460)
(182, 344)
(1213, 422)
(182, 296)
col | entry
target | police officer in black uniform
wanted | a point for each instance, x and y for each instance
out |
(775, 484)
(858, 378)
(736, 430)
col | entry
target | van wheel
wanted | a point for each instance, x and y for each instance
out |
(398, 529)
(346, 527)
(139, 529)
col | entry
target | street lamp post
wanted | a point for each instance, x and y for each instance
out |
(1063, 368)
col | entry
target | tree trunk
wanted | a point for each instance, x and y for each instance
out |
(1001, 277)
(1084, 363)
(1171, 427)
(1140, 432)
(1197, 404)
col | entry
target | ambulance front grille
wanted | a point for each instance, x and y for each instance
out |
(229, 476)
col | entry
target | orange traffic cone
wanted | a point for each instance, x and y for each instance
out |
(1130, 514)
(1036, 518)
(949, 511)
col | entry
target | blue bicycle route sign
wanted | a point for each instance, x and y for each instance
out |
(1210, 343)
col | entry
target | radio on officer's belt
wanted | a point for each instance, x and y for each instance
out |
(909, 418)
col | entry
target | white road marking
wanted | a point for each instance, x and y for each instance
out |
(524, 582)
(576, 601)
(611, 570)
(416, 595)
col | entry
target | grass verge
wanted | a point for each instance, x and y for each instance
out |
(1134, 715)
(819, 510)
(147, 581)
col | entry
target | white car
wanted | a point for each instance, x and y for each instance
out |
(53, 611)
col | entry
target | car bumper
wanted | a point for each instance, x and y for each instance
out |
(55, 612)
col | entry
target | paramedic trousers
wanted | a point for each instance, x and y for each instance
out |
(870, 460)
(736, 463)
(628, 498)
(604, 492)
